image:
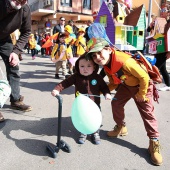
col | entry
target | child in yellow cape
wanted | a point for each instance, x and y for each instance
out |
(59, 55)
(32, 44)
(80, 43)
(69, 42)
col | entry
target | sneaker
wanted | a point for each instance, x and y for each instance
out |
(82, 139)
(166, 88)
(1, 117)
(95, 138)
(57, 76)
(33, 58)
(154, 151)
(118, 131)
(19, 105)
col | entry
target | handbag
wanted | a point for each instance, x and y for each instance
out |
(5, 89)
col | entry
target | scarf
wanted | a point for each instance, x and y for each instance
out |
(117, 60)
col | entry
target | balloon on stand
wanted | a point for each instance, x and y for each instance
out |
(85, 115)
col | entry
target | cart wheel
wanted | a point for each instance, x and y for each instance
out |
(65, 146)
(54, 154)
(52, 151)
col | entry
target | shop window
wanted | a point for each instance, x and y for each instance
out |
(66, 3)
(87, 4)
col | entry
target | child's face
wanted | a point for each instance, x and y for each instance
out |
(81, 33)
(86, 68)
(62, 39)
(67, 33)
(102, 57)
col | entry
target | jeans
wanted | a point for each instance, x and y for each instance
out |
(161, 64)
(13, 75)
(33, 52)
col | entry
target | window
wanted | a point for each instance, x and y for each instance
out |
(103, 20)
(140, 33)
(135, 33)
(66, 3)
(87, 4)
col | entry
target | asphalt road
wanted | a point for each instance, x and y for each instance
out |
(25, 136)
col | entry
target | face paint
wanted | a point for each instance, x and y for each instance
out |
(17, 4)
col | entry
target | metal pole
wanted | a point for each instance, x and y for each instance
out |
(149, 12)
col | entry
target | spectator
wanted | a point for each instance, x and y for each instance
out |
(161, 58)
(86, 30)
(75, 29)
(42, 41)
(14, 15)
(74, 35)
(59, 27)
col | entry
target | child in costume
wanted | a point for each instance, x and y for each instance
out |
(69, 42)
(32, 45)
(59, 56)
(137, 85)
(86, 81)
(80, 43)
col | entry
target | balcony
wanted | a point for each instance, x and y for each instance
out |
(41, 8)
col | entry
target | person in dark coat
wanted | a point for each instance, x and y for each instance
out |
(14, 15)
(60, 27)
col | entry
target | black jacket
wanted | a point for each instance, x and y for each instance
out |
(56, 29)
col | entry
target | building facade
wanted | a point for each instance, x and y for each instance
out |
(45, 14)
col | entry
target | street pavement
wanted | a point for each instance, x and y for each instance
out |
(25, 136)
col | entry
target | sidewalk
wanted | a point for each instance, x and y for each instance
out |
(24, 136)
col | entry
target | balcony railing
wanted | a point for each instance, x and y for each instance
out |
(35, 6)
(41, 4)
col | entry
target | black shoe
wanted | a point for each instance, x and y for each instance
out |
(82, 139)
(96, 138)
(57, 76)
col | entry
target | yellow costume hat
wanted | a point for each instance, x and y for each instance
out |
(81, 30)
(68, 28)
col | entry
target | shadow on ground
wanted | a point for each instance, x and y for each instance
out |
(37, 129)
(142, 152)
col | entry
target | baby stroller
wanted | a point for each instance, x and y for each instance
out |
(60, 143)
